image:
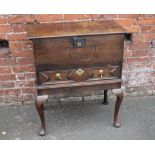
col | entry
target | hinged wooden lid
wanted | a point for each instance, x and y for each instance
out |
(73, 29)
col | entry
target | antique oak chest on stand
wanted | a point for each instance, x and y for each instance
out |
(76, 58)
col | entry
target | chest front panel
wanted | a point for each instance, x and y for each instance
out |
(91, 57)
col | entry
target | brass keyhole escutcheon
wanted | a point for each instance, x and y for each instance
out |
(101, 73)
(58, 76)
(79, 72)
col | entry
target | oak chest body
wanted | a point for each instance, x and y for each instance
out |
(76, 58)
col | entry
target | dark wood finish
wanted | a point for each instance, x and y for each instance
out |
(80, 84)
(117, 108)
(70, 75)
(73, 29)
(77, 58)
(40, 108)
(58, 53)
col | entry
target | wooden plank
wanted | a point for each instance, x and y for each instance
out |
(79, 84)
(78, 91)
(59, 53)
(73, 29)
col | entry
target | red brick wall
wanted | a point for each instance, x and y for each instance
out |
(17, 73)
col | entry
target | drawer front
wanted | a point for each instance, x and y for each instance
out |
(83, 52)
(80, 74)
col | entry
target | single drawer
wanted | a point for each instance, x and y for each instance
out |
(80, 74)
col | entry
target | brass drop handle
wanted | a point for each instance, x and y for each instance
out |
(58, 76)
(101, 73)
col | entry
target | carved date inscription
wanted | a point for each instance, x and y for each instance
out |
(81, 56)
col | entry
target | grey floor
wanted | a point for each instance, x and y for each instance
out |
(82, 121)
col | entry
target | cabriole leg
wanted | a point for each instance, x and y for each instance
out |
(119, 95)
(40, 108)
